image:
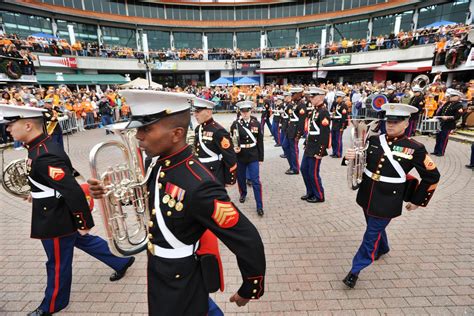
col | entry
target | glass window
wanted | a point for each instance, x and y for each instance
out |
(407, 20)
(281, 38)
(354, 30)
(114, 36)
(82, 32)
(219, 40)
(251, 12)
(383, 25)
(89, 5)
(455, 11)
(187, 40)
(158, 39)
(248, 40)
(310, 35)
(25, 25)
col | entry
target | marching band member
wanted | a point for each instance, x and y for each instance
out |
(386, 184)
(249, 153)
(449, 114)
(186, 202)
(339, 123)
(285, 118)
(61, 215)
(316, 144)
(213, 144)
(276, 124)
(418, 101)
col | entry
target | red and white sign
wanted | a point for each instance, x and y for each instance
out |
(52, 61)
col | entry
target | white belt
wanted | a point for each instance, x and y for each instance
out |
(313, 133)
(46, 191)
(248, 145)
(377, 177)
(177, 253)
(294, 120)
(210, 159)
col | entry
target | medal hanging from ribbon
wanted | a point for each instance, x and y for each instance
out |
(174, 196)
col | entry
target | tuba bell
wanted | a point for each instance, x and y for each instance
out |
(124, 207)
(15, 178)
(423, 81)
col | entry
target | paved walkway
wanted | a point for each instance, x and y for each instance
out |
(309, 249)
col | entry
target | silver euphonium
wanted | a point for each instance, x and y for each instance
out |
(15, 178)
(124, 207)
(360, 132)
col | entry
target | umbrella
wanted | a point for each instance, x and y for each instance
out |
(44, 35)
(438, 24)
(221, 82)
(141, 83)
(246, 81)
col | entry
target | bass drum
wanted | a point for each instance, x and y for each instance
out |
(373, 104)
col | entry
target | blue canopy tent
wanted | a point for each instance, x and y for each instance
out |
(221, 82)
(45, 35)
(438, 24)
(246, 81)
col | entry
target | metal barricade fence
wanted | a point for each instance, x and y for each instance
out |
(69, 125)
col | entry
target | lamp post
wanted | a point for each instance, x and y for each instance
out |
(315, 58)
(233, 66)
(146, 60)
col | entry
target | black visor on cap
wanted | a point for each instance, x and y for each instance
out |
(137, 121)
(395, 118)
(245, 110)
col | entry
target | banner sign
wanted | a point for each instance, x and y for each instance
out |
(248, 65)
(337, 60)
(63, 62)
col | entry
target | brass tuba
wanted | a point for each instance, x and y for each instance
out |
(422, 81)
(360, 132)
(124, 207)
(15, 178)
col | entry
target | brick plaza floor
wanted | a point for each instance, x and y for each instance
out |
(309, 249)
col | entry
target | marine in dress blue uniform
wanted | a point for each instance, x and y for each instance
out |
(316, 144)
(418, 101)
(249, 153)
(285, 118)
(296, 112)
(386, 184)
(61, 216)
(449, 114)
(276, 124)
(186, 203)
(339, 123)
(266, 115)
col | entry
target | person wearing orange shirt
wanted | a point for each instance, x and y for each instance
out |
(80, 114)
(430, 105)
(89, 110)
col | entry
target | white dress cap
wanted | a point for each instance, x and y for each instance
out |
(417, 89)
(340, 94)
(294, 90)
(398, 110)
(453, 92)
(315, 91)
(10, 113)
(203, 103)
(244, 104)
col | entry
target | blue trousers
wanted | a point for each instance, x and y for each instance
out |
(214, 310)
(310, 167)
(284, 144)
(336, 140)
(441, 142)
(254, 176)
(276, 132)
(58, 138)
(106, 120)
(374, 241)
(292, 152)
(269, 124)
(472, 154)
(59, 252)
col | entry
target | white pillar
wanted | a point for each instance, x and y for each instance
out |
(322, 46)
(263, 40)
(99, 35)
(262, 79)
(449, 80)
(398, 23)
(331, 33)
(171, 40)
(205, 47)
(54, 27)
(470, 17)
(145, 43)
(414, 21)
(72, 35)
(207, 78)
(297, 39)
(234, 41)
(370, 27)
(138, 39)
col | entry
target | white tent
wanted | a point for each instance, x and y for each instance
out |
(141, 83)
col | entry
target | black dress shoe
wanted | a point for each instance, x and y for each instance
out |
(350, 280)
(249, 183)
(379, 254)
(434, 153)
(314, 200)
(117, 275)
(38, 312)
(470, 166)
(282, 156)
(335, 156)
(305, 197)
(277, 145)
(260, 212)
(289, 171)
(242, 199)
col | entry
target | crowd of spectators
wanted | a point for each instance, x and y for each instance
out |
(404, 39)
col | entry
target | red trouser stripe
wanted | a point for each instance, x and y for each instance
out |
(445, 144)
(316, 181)
(375, 247)
(297, 155)
(57, 267)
